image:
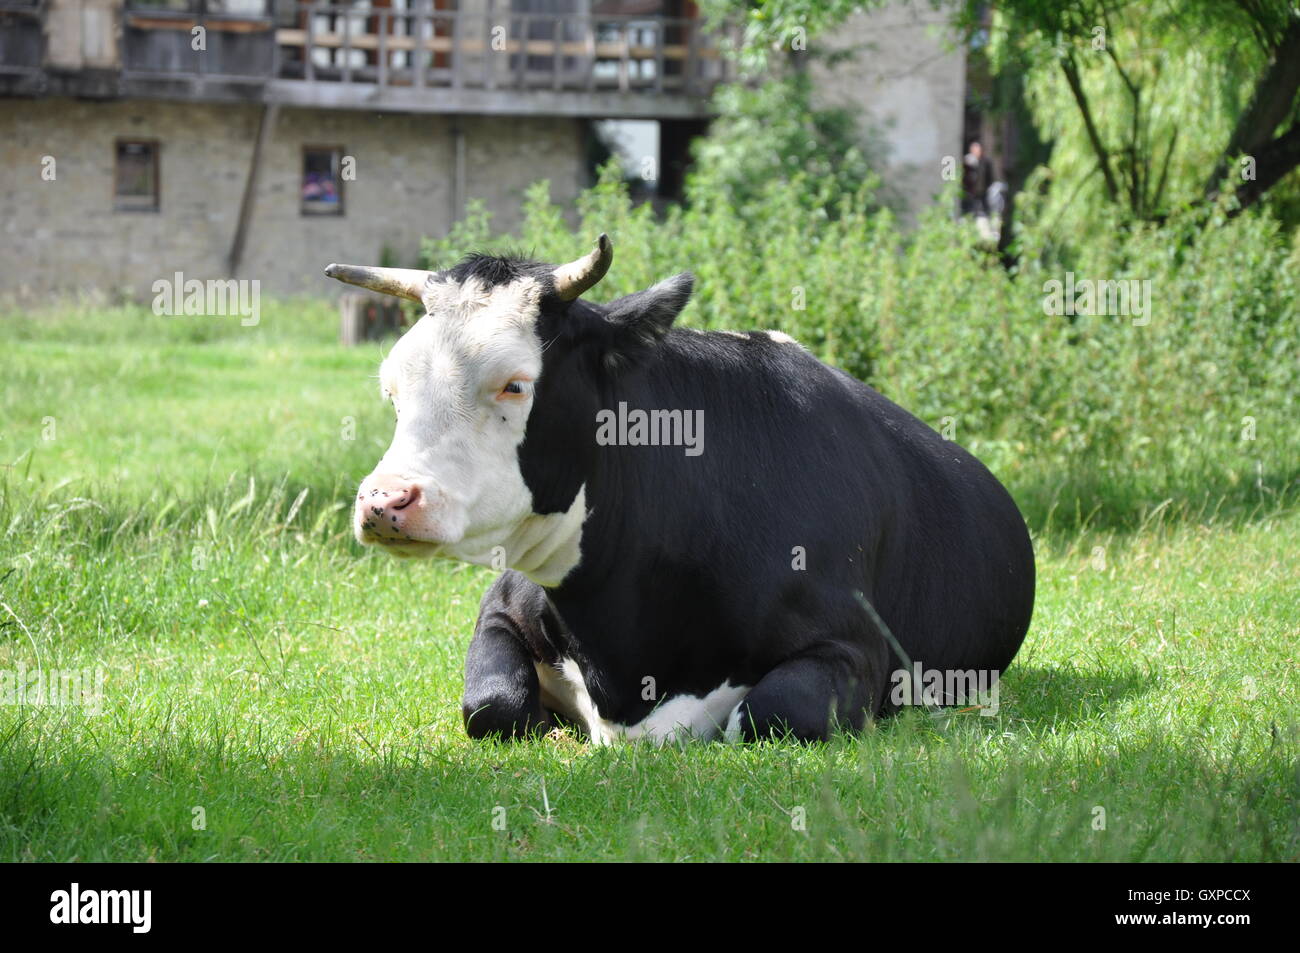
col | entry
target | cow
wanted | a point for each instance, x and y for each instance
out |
(698, 534)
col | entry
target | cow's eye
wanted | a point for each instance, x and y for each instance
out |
(517, 388)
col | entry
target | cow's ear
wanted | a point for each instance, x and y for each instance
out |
(640, 320)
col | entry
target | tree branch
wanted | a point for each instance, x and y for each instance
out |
(1272, 101)
(1272, 162)
(1071, 70)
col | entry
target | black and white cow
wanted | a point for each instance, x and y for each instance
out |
(726, 578)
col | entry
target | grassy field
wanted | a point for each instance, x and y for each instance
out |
(173, 514)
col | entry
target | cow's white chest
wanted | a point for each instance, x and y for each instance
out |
(682, 716)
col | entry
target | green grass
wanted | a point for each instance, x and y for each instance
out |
(305, 694)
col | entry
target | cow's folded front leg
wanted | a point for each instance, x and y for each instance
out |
(502, 695)
(808, 696)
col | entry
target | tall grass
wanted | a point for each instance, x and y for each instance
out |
(174, 499)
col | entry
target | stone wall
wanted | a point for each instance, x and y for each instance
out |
(65, 236)
(907, 76)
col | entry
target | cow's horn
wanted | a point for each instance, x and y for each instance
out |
(399, 282)
(573, 279)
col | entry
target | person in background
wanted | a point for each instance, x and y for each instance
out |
(977, 176)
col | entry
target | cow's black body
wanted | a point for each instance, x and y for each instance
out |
(688, 571)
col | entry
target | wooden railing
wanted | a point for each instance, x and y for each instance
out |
(489, 48)
(158, 40)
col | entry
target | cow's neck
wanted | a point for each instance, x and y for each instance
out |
(570, 481)
(546, 548)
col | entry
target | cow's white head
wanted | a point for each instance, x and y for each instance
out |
(463, 382)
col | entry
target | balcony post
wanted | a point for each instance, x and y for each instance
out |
(624, 56)
(660, 27)
(692, 58)
(309, 48)
(489, 58)
(418, 53)
(589, 40)
(457, 54)
(521, 74)
(557, 59)
(347, 45)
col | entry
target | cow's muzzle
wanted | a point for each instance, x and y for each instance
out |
(392, 510)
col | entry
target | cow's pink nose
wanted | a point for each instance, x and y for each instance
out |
(384, 503)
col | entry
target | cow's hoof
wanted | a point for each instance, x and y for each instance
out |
(493, 720)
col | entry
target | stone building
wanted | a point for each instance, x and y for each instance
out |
(264, 138)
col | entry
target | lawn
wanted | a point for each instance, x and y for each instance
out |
(173, 515)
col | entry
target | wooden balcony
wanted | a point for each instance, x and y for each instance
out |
(490, 59)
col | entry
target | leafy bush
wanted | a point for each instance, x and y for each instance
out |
(800, 141)
(1090, 418)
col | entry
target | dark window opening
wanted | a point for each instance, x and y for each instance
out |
(322, 180)
(135, 176)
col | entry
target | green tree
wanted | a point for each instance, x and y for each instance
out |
(1149, 104)
(773, 133)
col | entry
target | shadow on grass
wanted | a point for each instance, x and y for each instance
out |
(1060, 507)
(1037, 697)
(1062, 696)
(876, 798)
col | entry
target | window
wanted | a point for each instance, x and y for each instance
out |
(135, 176)
(322, 182)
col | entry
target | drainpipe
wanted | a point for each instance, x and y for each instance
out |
(458, 174)
(264, 127)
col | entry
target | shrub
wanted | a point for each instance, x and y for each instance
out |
(1099, 418)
